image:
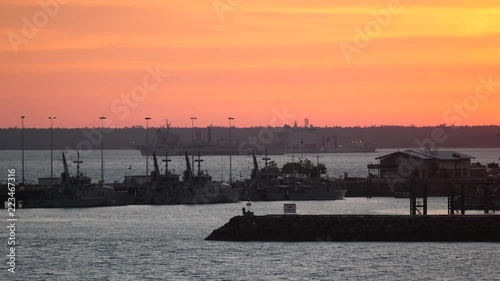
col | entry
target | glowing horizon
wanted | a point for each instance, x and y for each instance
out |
(250, 61)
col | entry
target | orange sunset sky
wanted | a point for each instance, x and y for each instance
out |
(248, 61)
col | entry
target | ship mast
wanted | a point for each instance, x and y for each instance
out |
(317, 158)
(199, 164)
(265, 159)
(166, 162)
(77, 162)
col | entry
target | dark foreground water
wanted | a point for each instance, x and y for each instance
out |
(166, 243)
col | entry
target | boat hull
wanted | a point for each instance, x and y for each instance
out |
(305, 196)
(318, 195)
(213, 194)
(77, 196)
(252, 194)
(271, 194)
(72, 203)
(333, 150)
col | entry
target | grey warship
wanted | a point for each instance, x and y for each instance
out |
(168, 141)
(193, 189)
(75, 192)
(272, 184)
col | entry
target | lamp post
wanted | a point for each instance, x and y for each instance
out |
(22, 146)
(51, 147)
(147, 145)
(192, 131)
(102, 118)
(166, 138)
(192, 139)
(230, 152)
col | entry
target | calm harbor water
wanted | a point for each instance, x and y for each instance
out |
(166, 242)
(118, 163)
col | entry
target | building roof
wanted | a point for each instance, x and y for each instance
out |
(430, 154)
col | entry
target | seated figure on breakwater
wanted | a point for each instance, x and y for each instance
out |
(246, 213)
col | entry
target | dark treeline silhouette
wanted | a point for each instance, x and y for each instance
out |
(129, 138)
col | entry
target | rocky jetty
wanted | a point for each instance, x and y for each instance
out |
(432, 228)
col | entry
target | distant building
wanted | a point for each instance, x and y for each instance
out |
(424, 164)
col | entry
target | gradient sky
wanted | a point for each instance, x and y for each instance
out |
(262, 56)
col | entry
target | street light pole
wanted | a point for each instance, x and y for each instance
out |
(147, 145)
(230, 152)
(192, 131)
(22, 146)
(102, 147)
(51, 148)
(192, 139)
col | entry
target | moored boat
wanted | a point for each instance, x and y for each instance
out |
(74, 192)
(167, 141)
(271, 184)
(165, 189)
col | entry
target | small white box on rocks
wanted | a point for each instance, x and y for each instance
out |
(290, 208)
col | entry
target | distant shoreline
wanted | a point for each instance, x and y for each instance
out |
(384, 148)
(129, 138)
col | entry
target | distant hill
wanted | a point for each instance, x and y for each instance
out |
(128, 138)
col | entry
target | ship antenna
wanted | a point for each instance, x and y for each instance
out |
(166, 138)
(317, 157)
(301, 147)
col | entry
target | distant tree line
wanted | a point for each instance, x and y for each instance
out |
(383, 136)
